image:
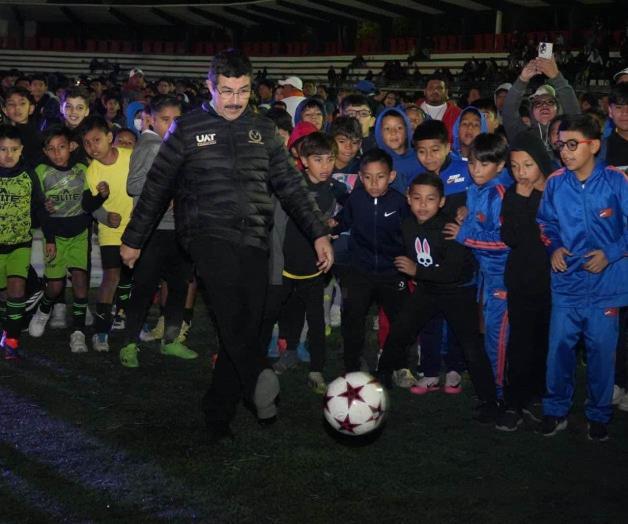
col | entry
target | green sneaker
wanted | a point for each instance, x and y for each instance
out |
(176, 349)
(128, 356)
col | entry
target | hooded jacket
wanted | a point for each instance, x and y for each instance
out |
(130, 112)
(221, 175)
(407, 166)
(455, 138)
(567, 104)
(583, 217)
(309, 101)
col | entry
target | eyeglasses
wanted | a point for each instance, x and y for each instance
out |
(544, 103)
(572, 144)
(229, 93)
(359, 114)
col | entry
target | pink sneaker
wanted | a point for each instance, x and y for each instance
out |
(425, 385)
(453, 383)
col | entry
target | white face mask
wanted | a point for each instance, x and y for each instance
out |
(137, 123)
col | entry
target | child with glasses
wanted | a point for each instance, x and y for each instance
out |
(583, 216)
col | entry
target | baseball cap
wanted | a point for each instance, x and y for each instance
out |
(365, 86)
(135, 71)
(544, 90)
(620, 73)
(503, 87)
(293, 81)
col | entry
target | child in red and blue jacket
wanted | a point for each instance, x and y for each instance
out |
(480, 231)
(583, 219)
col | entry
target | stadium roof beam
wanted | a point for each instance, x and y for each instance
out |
(171, 19)
(256, 19)
(316, 13)
(355, 11)
(408, 9)
(288, 18)
(216, 19)
(71, 15)
(116, 13)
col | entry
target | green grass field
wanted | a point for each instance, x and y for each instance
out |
(84, 440)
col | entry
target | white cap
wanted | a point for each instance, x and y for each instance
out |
(503, 87)
(621, 73)
(293, 81)
(135, 71)
(544, 90)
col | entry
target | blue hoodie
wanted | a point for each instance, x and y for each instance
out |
(456, 139)
(407, 166)
(130, 112)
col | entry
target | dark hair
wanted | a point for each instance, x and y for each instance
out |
(354, 100)
(39, 76)
(231, 63)
(75, 92)
(94, 122)
(55, 131)
(311, 102)
(281, 117)
(20, 91)
(557, 119)
(279, 104)
(163, 79)
(317, 144)
(396, 114)
(489, 148)
(8, 132)
(590, 98)
(437, 77)
(524, 109)
(111, 95)
(266, 82)
(346, 126)
(159, 102)
(431, 130)
(376, 155)
(428, 179)
(586, 124)
(487, 104)
(121, 130)
(619, 94)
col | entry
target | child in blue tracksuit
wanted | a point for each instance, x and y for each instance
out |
(583, 217)
(480, 231)
(469, 124)
(393, 134)
(374, 212)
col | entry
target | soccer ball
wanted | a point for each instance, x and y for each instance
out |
(355, 403)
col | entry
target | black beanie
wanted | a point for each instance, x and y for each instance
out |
(530, 143)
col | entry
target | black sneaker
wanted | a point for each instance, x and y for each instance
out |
(487, 413)
(533, 413)
(509, 420)
(552, 425)
(597, 431)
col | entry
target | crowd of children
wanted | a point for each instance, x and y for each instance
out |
(496, 250)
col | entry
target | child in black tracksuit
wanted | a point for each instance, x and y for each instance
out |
(373, 212)
(444, 274)
(301, 294)
(527, 279)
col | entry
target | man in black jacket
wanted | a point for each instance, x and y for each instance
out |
(220, 163)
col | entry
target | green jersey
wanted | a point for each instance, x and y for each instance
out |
(64, 187)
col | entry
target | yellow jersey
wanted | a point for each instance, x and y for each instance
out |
(119, 201)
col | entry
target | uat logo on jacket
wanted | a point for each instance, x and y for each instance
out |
(423, 255)
(206, 139)
(606, 213)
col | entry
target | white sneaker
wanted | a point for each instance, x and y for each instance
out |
(89, 317)
(316, 382)
(335, 316)
(100, 341)
(119, 321)
(453, 383)
(77, 342)
(623, 403)
(375, 323)
(404, 378)
(58, 319)
(37, 325)
(618, 392)
(183, 332)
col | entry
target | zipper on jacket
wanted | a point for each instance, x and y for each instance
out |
(240, 190)
(375, 234)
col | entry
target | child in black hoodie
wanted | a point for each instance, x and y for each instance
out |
(527, 279)
(444, 274)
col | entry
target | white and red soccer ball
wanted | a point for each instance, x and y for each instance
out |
(355, 403)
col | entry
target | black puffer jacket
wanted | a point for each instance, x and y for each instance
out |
(221, 174)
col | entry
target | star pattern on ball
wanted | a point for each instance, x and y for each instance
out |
(352, 394)
(346, 425)
(377, 411)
